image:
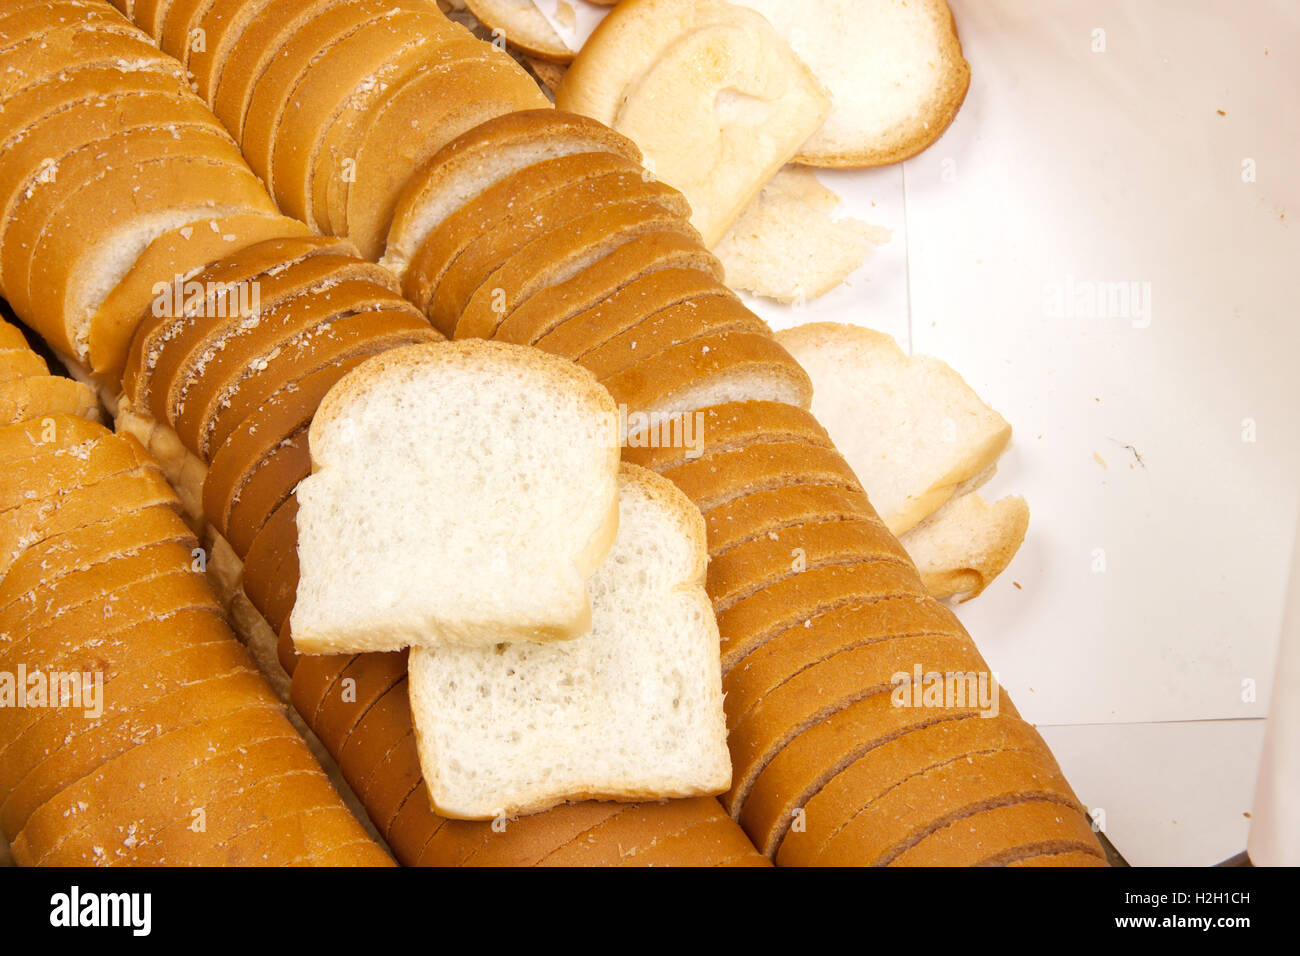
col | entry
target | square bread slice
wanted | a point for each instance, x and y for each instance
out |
(461, 492)
(630, 711)
(911, 428)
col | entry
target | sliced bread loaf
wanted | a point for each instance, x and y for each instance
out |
(461, 492)
(629, 711)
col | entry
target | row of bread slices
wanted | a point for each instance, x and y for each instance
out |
(344, 107)
(781, 727)
(135, 728)
(320, 311)
(336, 104)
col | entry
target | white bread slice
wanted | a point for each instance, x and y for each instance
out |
(461, 492)
(523, 26)
(787, 246)
(894, 69)
(709, 91)
(630, 711)
(911, 428)
(967, 543)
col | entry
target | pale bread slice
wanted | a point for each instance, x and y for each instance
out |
(788, 246)
(460, 492)
(967, 543)
(911, 428)
(894, 69)
(630, 711)
(709, 91)
(523, 26)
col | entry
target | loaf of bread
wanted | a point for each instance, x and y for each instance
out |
(837, 760)
(135, 728)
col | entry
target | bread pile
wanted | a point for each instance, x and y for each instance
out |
(146, 734)
(817, 605)
(719, 94)
(235, 398)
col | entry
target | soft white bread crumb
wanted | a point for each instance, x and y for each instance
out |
(460, 492)
(632, 710)
(788, 246)
(709, 91)
(967, 543)
(911, 428)
(894, 69)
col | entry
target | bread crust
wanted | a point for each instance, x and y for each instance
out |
(552, 308)
(440, 107)
(491, 228)
(442, 247)
(510, 140)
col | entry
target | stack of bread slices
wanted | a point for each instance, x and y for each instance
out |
(817, 607)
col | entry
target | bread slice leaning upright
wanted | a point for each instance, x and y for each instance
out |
(460, 492)
(632, 710)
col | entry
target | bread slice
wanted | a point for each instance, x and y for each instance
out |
(894, 70)
(523, 26)
(911, 428)
(41, 395)
(479, 499)
(507, 223)
(967, 543)
(553, 258)
(464, 231)
(605, 279)
(787, 246)
(711, 93)
(632, 710)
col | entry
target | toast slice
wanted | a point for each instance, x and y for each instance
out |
(911, 428)
(460, 492)
(632, 710)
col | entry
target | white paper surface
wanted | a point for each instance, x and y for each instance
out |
(1275, 822)
(1111, 167)
(1174, 794)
